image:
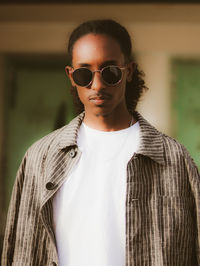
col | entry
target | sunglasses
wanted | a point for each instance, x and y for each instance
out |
(111, 75)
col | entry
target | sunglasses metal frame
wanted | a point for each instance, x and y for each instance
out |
(100, 71)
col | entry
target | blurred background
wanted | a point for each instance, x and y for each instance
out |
(34, 90)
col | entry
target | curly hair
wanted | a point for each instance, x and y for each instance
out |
(113, 29)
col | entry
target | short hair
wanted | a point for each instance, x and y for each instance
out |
(113, 29)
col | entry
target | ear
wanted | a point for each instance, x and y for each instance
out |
(130, 70)
(68, 70)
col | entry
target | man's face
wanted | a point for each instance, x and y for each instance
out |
(95, 52)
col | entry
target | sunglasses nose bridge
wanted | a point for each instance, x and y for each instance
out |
(93, 72)
(97, 82)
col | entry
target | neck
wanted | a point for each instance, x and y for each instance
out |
(112, 122)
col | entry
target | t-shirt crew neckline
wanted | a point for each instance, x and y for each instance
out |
(97, 131)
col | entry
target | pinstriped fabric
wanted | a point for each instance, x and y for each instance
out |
(162, 201)
(29, 236)
(160, 219)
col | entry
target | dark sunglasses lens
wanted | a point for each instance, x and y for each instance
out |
(82, 76)
(111, 74)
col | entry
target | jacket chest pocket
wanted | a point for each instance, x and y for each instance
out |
(167, 216)
(147, 179)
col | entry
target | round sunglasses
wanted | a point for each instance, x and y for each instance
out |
(111, 75)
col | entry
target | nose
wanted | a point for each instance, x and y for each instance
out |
(97, 83)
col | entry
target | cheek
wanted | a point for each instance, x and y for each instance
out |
(122, 85)
(72, 82)
(82, 94)
(120, 90)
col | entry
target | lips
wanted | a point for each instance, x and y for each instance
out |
(99, 99)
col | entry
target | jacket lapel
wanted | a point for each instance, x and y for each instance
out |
(62, 155)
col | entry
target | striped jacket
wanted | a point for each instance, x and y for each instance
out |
(162, 201)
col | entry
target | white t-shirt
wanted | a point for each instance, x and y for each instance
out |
(89, 208)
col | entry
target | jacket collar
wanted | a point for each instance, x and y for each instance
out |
(151, 144)
(68, 136)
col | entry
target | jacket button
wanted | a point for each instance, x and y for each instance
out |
(72, 153)
(50, 186)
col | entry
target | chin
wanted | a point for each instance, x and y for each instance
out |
(103, 113)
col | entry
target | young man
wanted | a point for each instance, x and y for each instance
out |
(108, 189)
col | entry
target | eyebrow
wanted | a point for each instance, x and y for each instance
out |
(106, 63)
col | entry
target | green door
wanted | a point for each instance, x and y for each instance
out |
(37, 102)
(186, 105)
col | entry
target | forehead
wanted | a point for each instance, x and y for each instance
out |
(95, 49)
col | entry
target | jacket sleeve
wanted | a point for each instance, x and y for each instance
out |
(12, 217)
(194, 177)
